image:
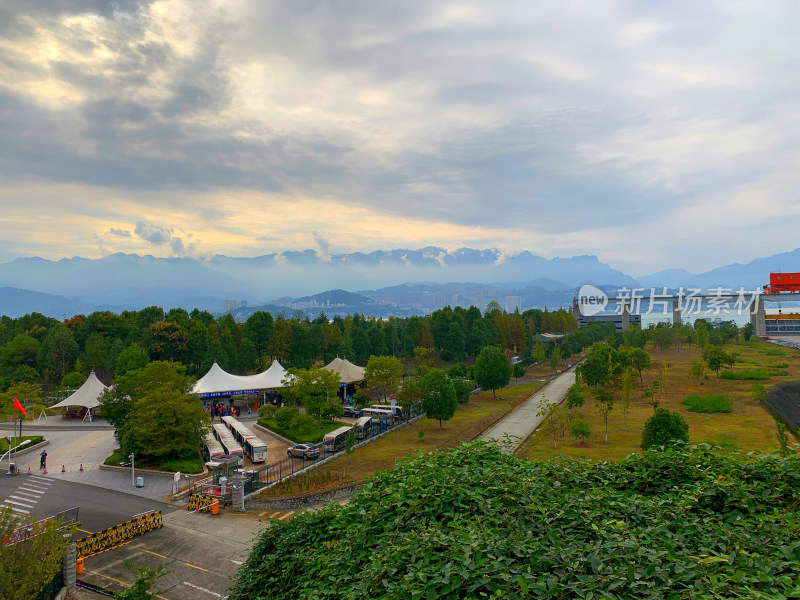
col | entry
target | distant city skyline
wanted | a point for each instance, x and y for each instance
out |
(653, 136)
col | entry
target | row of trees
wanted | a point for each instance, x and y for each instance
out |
(39, 349)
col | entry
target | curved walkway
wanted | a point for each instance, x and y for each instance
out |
(520, 423)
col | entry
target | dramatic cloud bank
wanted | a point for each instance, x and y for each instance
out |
(651, 134)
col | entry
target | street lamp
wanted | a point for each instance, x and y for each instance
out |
(10, 450)
(133, 478)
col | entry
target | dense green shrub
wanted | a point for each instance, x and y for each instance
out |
(267, 411)
(306, 433)
(284, 416)
(472, 522)
(708, 403)
(664, 428)
(752, 374)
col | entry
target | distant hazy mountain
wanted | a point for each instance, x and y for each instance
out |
(751, 276)
(15, 302)
(291, 273)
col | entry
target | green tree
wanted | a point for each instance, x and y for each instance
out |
(314, 388)
(168, 423)
(97, 355)
(22, 350)
(664, 428)
(462, 387)
(132, 358)
(438, 396)
(259, 328)
(575, 397)
(29, 565)
(715, 357)
(640, 360)
(382, 375)
(627, 392)
(697, 370)
(604, 401)
(550, 413)
(747, 331)
(59, 351)
(555, 356)
(519, 370)
(492, 369)
(144, 580)
(409, 394)
(579, 429)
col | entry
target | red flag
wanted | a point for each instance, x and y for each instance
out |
(18, 406)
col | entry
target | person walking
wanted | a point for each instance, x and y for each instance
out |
(43, 460)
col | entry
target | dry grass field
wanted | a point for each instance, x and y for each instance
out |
(749, 427)
(470, 420)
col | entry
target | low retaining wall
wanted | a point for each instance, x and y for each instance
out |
(272, 433)
(305, 500)
(170, 474)
(783, 401)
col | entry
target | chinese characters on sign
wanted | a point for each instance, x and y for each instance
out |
(715, 301)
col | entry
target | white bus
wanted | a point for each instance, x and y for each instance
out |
(379, 414)
(334, 441)
(227, 441)
(254, 447)
(213, 449)
(397, 411)
(363, 427)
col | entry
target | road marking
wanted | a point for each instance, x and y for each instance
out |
(155, 554)
(196, 567)
(16, 502)
(24, 500)
(27, 496)
(19, 510)
(261, 514)
(84, 531)
(111, 578)
(236, 562)
(286, 516)
(275, 514)
(32, 490)
(202, 589)
(40, 479)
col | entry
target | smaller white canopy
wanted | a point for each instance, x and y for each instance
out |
(347, 371)
(218, 381)
(87, 396)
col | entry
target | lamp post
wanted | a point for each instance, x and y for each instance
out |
(133, 477)
(10, 450)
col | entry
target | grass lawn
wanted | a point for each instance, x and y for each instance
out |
(35, 439)
(470, 420)
(188, 464)
(315, 437)
(748, 427)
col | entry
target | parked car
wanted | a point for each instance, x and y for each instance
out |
(304, 451)
(351, 411)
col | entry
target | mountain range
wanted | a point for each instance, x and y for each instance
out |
(129, 281)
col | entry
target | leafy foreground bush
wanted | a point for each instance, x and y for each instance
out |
(750, 374)
(472, 522)
(708, 403)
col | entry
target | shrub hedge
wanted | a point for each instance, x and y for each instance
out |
(707, 403)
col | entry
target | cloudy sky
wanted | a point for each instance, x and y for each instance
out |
(652, 134)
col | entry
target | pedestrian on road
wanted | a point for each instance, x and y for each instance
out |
(43, 460)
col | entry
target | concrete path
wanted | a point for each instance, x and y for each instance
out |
(522, 421)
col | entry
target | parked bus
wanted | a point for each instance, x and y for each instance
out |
(254, 448)
(396, 410)
(212, 450)
(379, 414)
(334, 441)
(227, 441)
(363, 427)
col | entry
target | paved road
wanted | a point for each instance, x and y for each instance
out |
(40, 497)
(520, 423)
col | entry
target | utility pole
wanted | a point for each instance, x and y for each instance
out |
(133, 477)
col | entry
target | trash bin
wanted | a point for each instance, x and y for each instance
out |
(12, 468)
(140, 482)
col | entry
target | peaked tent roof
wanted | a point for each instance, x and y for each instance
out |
(88, 395)
(217, 380)
(348, 372)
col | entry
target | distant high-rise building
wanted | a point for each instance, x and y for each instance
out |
(229, 305)
(512, 303)
(243, 304)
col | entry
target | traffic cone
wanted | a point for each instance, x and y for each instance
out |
(81, 469)
(29, 470)
(63, 470)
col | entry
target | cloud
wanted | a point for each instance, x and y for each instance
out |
(323, 245)
(508, 125)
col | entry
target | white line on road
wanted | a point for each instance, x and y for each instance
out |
(19, 510)
(31, 490)
(202, 589)
(286, 516)
(17, 502)
(40, 479)
(27, 495)
(34, 500)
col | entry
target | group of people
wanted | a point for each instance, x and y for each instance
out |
(218, 409)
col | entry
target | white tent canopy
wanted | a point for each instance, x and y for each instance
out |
(347, 371)
(87, 396)
(220, 382)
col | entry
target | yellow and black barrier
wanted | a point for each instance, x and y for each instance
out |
(119, 534)
(202, 502)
